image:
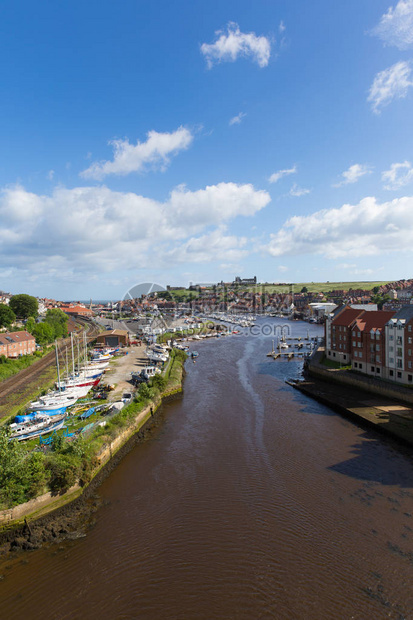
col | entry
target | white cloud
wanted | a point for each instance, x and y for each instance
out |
(129, 158)
(396, 26)
(229, 46)
(50, 175)
(87, 228)
(276, 176)
(353, 174)
(215, 245)
(392, 83)
(368, 228)
(282, 268)
(236, 120)
(394, 178)
(298, 191)
(281, 27)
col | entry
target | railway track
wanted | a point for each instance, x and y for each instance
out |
(27, 377)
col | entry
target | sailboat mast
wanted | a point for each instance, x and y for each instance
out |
(57, 365)
(73, 355)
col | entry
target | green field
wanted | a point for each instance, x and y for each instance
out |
(320, 287)
(313, 287)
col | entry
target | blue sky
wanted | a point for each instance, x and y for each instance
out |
(195, 141)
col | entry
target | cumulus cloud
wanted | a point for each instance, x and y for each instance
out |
(298, 191)
(276, 176)
(88, 228)
(353, 174)
(236, 120)
(233, 44)
(154, 152)
(215, 245)
(368, 228)
(392, 83)
(396, 26)
(399, 175)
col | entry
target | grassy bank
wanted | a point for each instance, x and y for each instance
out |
(28, 472)
(10, 367)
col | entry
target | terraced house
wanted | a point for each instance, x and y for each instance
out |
(16, 344)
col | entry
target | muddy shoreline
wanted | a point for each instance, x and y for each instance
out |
(73, 520)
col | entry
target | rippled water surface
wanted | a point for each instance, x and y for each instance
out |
(250, 501)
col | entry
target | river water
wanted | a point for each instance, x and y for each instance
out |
(250, 501)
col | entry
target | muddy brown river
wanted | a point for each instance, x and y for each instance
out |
(249, 501)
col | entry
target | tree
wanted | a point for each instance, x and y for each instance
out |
(30, 325)
(304, 289)
(58, 321)
(44, 333)
(24, 306)
(7, 316)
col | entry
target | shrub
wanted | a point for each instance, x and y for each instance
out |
(64, 471)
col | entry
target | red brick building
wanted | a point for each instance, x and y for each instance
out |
(16, 344)
(338, 333)
(368, 342)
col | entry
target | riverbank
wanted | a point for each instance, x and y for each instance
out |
(387, 415)
(57, 515)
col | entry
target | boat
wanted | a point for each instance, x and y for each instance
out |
(36, 425)
(154, 356)
(51, 404)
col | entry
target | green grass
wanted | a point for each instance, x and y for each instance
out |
(313, 287)
(331, 364)
(317, 287)
(10, 367)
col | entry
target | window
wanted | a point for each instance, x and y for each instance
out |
(391, 326)
(378, 359)
(377, 335)
(409, 328)
(378, 370)
(353, 333)
(399, 340)
(391, 337)
(359, 344)
(409, 340)
(399, 352)
(409, 365)
(409, 352)
(391, 360)
(372, 368)
(409, 378)
(334, 354)
(354, 343)
(391, 349)
(377, 347)
(399, 375)
(399, 363)
(391, 373)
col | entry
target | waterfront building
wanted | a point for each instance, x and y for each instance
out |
(399, 346)
(338, 333)
(368, 342)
